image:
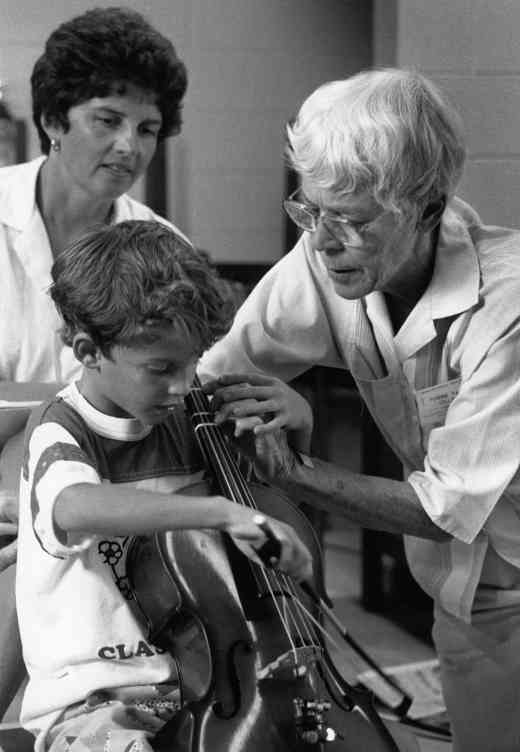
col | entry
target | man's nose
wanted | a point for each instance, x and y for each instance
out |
(323, 239)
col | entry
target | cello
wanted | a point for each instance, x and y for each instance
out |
(253, 668)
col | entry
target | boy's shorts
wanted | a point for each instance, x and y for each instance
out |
(105, 724)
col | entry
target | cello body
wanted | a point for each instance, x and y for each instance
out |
(246, 684)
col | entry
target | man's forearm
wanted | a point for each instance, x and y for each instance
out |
(372, 502)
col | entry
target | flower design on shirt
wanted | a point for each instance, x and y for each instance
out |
(111, 551)
(113, 554)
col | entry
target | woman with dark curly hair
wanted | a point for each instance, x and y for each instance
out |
(107, 88)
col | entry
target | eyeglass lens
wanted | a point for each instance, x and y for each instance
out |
(306, 220)
(300, 215)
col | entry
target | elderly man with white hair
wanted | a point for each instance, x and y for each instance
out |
(398, 281)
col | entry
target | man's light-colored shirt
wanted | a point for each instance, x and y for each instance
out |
(444, 390)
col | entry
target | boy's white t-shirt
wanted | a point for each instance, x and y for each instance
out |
(80, 626)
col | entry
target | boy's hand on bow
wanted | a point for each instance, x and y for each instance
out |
(248, 532)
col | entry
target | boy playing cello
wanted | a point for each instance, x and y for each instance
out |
(104, 460)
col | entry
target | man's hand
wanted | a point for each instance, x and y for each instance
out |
(242, 396)
(272, 457)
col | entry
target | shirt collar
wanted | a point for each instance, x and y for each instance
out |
(120, 429)
(454, 286)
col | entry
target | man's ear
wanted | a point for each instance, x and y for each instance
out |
(85, 350)
(432, 214)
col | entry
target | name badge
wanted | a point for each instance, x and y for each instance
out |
(433, 403)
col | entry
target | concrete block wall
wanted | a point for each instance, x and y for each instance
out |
(250, 65)
(472, 49)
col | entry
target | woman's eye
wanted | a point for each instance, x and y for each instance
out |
(106, 120)
(158, 369)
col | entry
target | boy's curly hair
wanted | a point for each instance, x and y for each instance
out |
(124, 283)
(96, 54)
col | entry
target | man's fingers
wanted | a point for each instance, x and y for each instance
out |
(243, 425)
(236, 409)
(255, 379)
(271, 426)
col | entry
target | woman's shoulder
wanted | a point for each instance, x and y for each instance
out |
(129, 208)
(19, 173)
(17, 191)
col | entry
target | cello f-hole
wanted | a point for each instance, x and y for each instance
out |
(219, 708)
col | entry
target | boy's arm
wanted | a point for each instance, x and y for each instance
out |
(114, 510)
(110, 509)
(69, 505)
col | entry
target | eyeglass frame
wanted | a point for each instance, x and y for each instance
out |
(360, 229)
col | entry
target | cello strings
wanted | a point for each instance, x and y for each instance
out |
(310, 616)
(236, 486)
(291, 614)
(294, 609)
(291, 611)
(232, 484)
(234, 472)
(301, 605)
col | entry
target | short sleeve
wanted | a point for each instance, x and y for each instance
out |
(55, 461)
(473, 458)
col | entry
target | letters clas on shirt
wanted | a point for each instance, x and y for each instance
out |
(122, 652)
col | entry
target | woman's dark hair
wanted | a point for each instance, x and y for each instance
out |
(95, 55)
(124, 283)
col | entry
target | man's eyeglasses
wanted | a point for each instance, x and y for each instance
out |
(307, 217)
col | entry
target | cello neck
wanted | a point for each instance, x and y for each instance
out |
(215, 448)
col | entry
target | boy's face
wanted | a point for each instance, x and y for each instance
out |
(142, 381)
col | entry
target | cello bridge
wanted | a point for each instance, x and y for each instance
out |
(291, 665)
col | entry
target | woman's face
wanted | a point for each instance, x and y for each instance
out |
(109, 143)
